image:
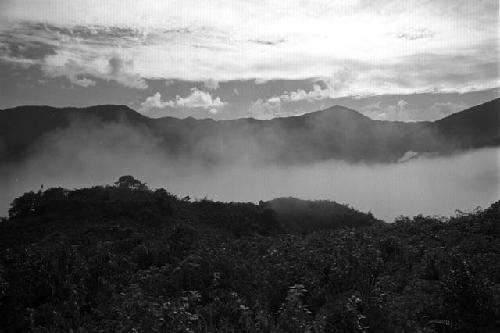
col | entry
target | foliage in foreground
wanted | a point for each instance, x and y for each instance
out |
(124, 258)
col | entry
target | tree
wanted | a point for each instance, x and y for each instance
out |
(25, 205)
(131, 183)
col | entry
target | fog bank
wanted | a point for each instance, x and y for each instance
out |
(85, 156)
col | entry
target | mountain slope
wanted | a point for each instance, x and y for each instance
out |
(475, 127)
(336, 132)
(22, 126)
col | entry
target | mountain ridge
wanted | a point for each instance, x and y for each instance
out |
(335, 132)
(128, 109)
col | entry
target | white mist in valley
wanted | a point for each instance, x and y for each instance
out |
(428, 186)
(422, 185)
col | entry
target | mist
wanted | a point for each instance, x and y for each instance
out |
(93, 153)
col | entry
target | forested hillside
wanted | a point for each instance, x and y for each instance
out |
(124, 258)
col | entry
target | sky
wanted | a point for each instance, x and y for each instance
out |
(224, 59)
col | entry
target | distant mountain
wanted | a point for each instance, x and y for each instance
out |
(478, 126)
(336, 132)
(22, 126)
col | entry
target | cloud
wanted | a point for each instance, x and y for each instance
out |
(402, 104)
(394, 112)
(272, 108)
(83, 82)
(155, 102)
(122, 72)
(15, 61)
(199, 99)
(317, 93)
(79, 54)
(76, 67)
(263, 110)
(211, 84)
(403, 111)
(335, 86)
(414, 34)
(116, 65)
(265, 41)
(196, 99)
(440, 110)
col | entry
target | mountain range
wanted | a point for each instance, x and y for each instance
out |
(336, 132)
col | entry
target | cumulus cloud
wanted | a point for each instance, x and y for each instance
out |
(334, 86)
(155, 102)
(396, 112)
(199, 99)
(263, 110)
(403, 111)
(196, 99)
(315, 94)
(122, 71)
(272, 108)
(79, 69)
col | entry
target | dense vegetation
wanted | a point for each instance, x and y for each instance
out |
(124, 258)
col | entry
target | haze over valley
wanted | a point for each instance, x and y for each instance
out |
(388, 168)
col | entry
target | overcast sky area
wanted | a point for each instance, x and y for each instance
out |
(392, 60)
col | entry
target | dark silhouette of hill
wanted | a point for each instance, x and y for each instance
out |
(131, 200)
(22, 126)
(305, 216)
(478, 126)
(125, 258)
(336, 132)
